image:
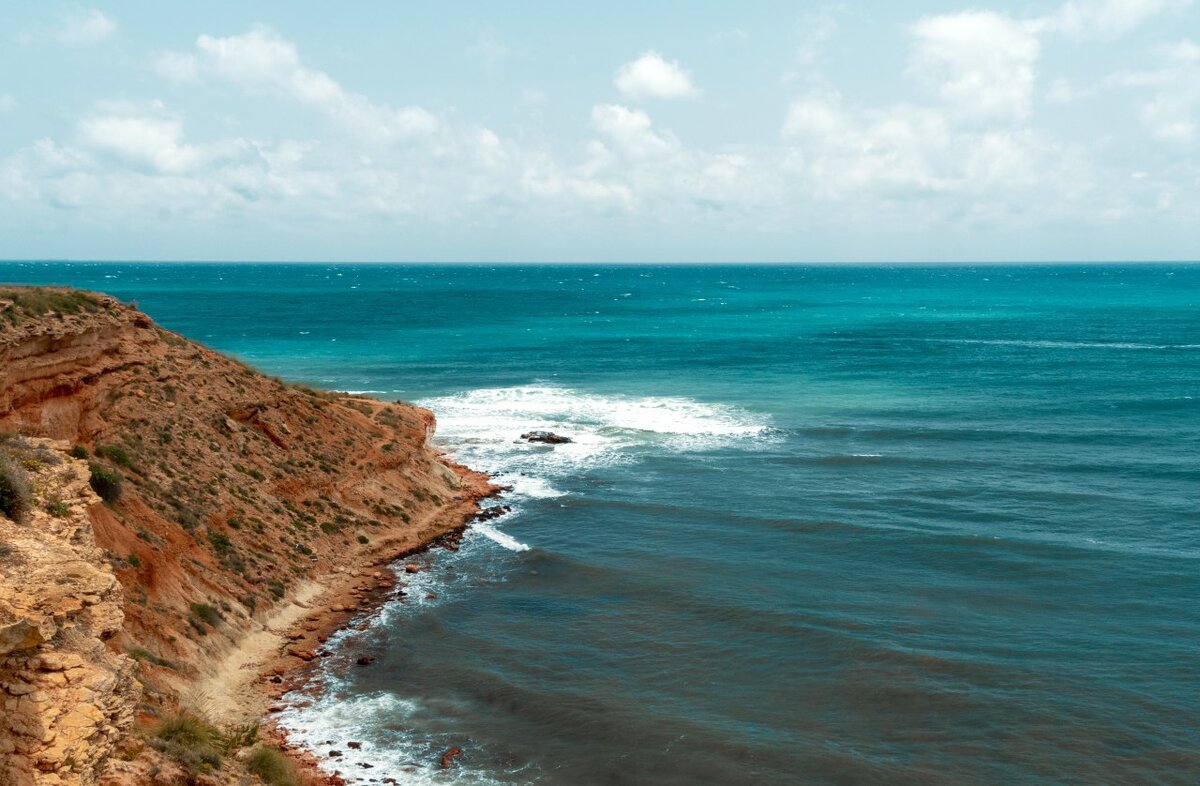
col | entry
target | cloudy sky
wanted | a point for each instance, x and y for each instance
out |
(619, 131)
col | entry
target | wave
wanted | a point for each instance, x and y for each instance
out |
(1051, 344)
(387, 728)
(483, 427)
(505, 540)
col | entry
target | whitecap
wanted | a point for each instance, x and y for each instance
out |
(505, 540)
(483, 427)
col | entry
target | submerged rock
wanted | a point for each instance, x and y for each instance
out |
(545, 437)
(447, 760)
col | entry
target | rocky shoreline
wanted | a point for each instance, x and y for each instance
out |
(345, 604)
(233, 521)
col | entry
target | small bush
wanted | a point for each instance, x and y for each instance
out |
(220, 542)
(191, 741)
(206, 613)
(134, 560)
(271, 765)
(235, 737)
(277, 588)
(15, 496)
(57, 508)
(79, 452)
(137, 653)
(105, 482)
(363, 539)
(116, 455)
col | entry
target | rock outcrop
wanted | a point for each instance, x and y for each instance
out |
(66, 697)
(225, 491)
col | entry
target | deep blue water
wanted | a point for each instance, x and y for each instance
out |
(819, 524)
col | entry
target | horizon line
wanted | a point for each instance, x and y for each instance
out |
(551, 263)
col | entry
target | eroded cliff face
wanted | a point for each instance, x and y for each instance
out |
(66, 697)
(223, 489)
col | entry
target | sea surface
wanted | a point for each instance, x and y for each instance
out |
(819, 525)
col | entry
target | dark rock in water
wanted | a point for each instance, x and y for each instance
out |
(494, 512)
(352, 745)
(545, 437)
(365, 660)
(334, 754)
(412, 568)
(447, 760)
(365, 765)
(430, 596)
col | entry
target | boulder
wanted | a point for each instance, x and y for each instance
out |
(545, 438)
(447, 760)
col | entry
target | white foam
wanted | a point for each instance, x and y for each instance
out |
(1049, 344)
(484, 426)
(507, 541)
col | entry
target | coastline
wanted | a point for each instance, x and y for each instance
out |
(247, 683)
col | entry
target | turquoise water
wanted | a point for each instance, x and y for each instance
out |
(819, 525)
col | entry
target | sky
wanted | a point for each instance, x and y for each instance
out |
(607, 132)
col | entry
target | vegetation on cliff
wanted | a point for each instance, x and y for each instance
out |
(217, 488)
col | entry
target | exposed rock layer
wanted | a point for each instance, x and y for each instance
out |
(235, 489)
(66, 697)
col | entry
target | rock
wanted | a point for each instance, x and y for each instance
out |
(334, 754)
(412, 567)
(545, 438)
(304, 655)
(431, 596)
(365, 660)
(447, 760)
(352, 745)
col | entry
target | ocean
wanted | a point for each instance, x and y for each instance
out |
(818, 525)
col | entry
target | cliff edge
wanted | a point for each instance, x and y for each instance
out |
(169, 502)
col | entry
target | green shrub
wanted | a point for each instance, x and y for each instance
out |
(116, 455)
(363, 539)
(236, 736)
(134, 560)
(206, 613)
(105, 482)
(220, 542)
(137, 653)
(15, 496)
(57, 508)
(271, 765)
(30, 302)
(277, 588)
(79, 452)
(191, 741)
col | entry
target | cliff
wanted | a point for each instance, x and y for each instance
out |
(225, 492)
(67, 698)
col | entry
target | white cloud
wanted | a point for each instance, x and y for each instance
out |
(84, 26)
(7, 102)
(651, 76)
(1172, 111)
(980, 62)
(150, 138)
(263, 60)
(632, 131)
(1103, 18)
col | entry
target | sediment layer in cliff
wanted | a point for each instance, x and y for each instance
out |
(223, 487)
